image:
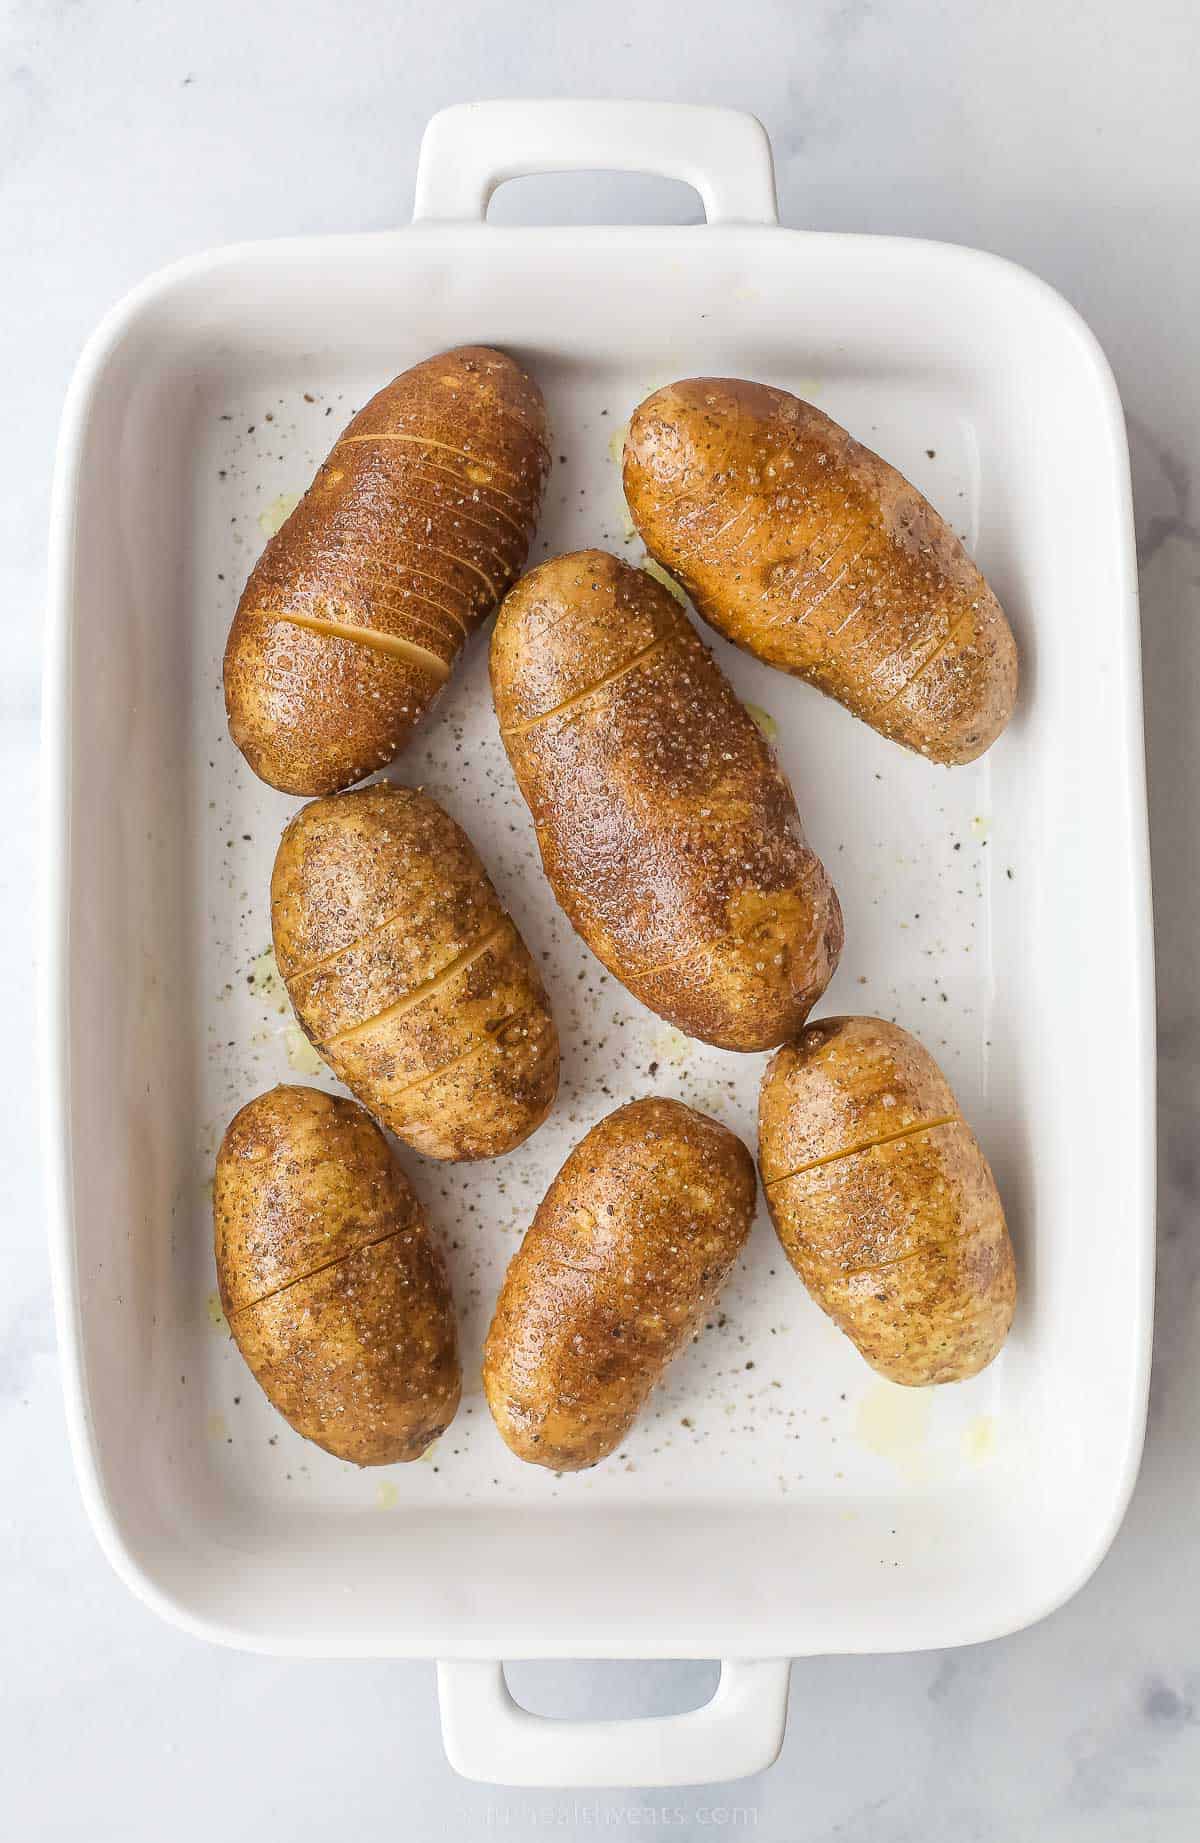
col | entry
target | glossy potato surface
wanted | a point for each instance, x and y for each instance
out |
(626, 1253)
(884, 1202)
(801, 545)
(335, 1293)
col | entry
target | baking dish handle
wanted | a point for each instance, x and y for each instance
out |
(489, 1737)
(469, 150)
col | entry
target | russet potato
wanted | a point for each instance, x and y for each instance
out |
(666, 827)
(356, 612)
(626, 1253)
(335, 1292)
(802, 546)
(407, 975)
(883, 1200)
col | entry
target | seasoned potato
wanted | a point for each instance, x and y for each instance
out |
(408, 977)
(666, 828)
(883, 1200)
(799, 544)
(334, 1291)
(626, 1253)
(413, 529)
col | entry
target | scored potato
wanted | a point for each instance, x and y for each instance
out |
(668, 832)
(801, 545)
(408, 976)
(884, 1202)
(628, 1249)
(334, 1291)
(355, 614)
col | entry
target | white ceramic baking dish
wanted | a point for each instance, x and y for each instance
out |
(778, 1500)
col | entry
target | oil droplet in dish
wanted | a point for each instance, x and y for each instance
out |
(979, 1439)
(893, 1422)
(980, 826)
(266, 984)
(764, 720)
(215, 1427)
(668, 582)
(386, 1494)
(300, 1053)
(216, 1316)
(670, 1045)
(616, 444)
(276, 515)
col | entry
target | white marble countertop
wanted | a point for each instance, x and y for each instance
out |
(1060, 135)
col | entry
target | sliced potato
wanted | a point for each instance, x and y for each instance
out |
(668, 832)
(335, 1292)
(357, 610)
(804, 547)
(407, 975)
(884, 1202)
(627, 1252)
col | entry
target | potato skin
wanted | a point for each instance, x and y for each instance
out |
(628, 1249)
(407, 975)
(335, 1293)
(812, 553)
(667, 831)
(416, 524)
(884, 1202)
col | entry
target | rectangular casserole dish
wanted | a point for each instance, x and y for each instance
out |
(778, 1500)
